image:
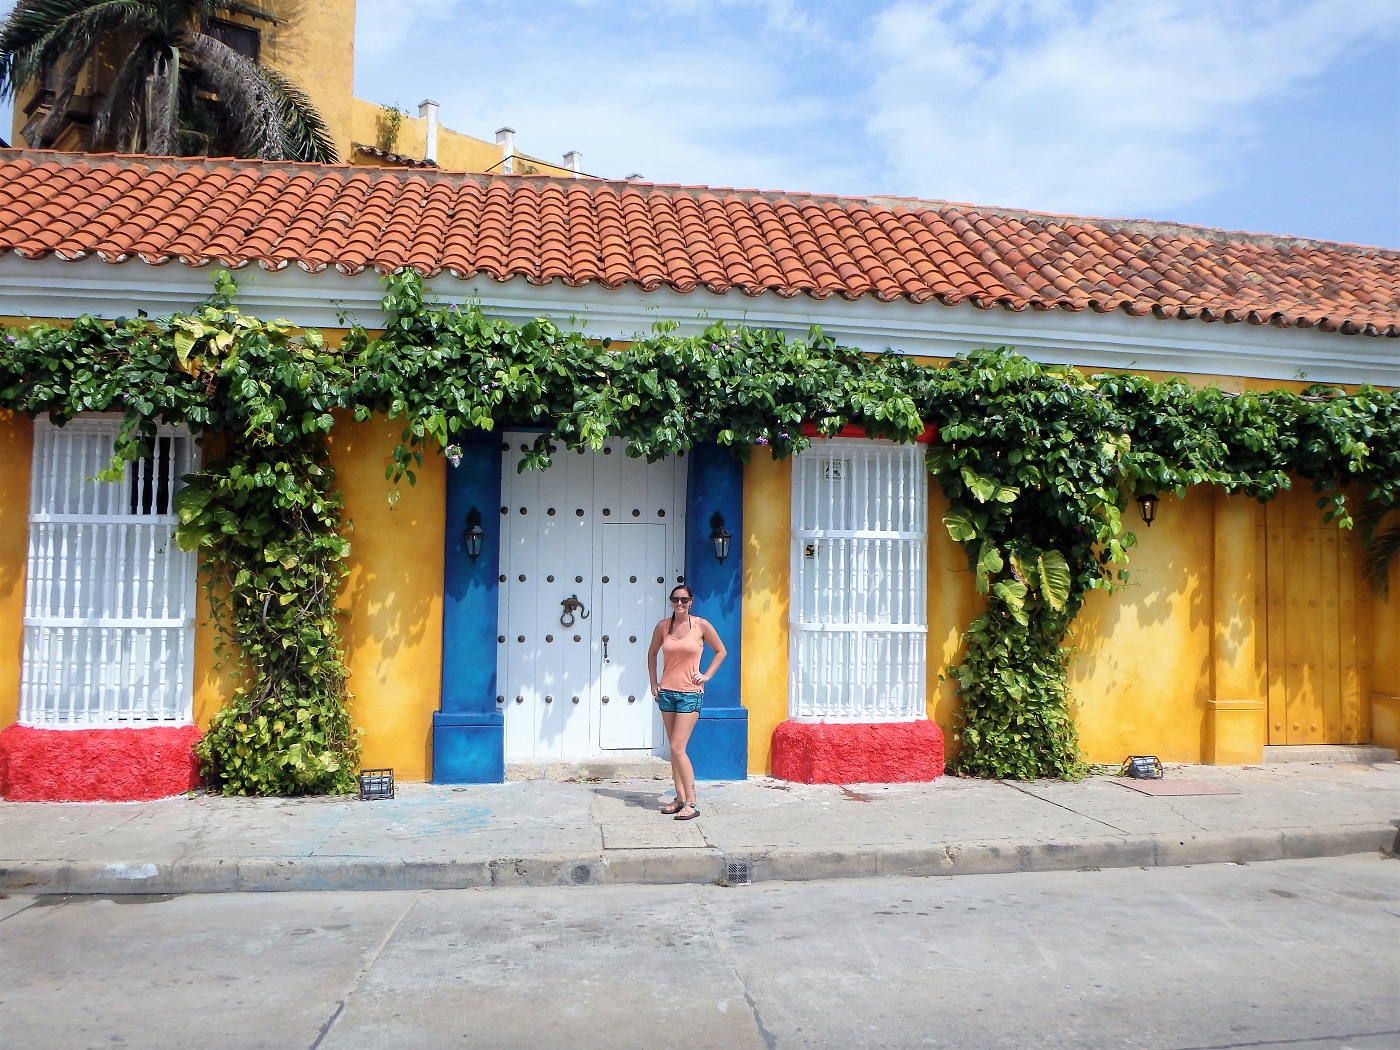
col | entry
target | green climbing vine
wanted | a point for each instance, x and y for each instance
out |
(1037, 463)
(262, 510)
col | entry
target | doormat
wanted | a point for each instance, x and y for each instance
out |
(1176, 787)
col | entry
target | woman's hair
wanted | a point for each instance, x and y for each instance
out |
(689, 594)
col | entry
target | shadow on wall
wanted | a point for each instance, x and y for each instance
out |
(392, 595)
(1141, 674)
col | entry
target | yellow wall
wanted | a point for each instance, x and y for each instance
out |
(763, 682)
(1142, 675)
(315, 47)
(455, 151)
(16, 452)
(213, 684)
(1385, 696)
(953, 603)
(393, 595)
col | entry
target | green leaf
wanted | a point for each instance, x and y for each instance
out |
(961, 525)
(1055, 579)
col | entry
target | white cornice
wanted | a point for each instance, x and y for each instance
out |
(51, 288)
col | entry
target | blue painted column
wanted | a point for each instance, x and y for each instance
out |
(719, 749)
(469, 730)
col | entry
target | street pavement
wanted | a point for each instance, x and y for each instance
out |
(589, 833)
(1286, 955)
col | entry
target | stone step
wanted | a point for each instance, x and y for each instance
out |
(631, 768)
(1362, 754)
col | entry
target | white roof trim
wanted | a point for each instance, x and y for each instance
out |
(52, 288)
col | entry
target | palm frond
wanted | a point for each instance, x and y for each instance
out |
(1375, 563)
(243, 93)
(306, 137)
(1367, 518)
(41, 33)
(162, 104)
(116, 121)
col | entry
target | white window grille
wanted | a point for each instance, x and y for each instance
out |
(858, 624)
(109, 598)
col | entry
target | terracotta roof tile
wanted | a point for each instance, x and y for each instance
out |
(544, 229)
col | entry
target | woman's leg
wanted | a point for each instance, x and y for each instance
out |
(678, 731)
(668, 719)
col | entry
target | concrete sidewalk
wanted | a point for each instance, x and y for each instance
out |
(553, 832)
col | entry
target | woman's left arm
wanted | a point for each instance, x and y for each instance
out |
(712, 639)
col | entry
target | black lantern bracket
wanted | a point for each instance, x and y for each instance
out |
(473, 534)
(720, 537)
(1147, 507)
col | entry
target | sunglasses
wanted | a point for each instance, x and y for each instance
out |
(680, 601)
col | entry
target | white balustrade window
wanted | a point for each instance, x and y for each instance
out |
(109, 598)
(858, 624)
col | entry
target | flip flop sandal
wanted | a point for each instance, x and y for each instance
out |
(673, 807)
(689, 812)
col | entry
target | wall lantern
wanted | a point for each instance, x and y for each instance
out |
(473, 534)
(1148, 506)
(719, 537)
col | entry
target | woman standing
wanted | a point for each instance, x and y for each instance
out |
(681, 639)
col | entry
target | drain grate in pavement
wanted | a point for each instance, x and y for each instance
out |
(738, 872)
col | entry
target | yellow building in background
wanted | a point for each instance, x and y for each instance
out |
(313, 44)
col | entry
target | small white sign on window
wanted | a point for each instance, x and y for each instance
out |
(835, 470)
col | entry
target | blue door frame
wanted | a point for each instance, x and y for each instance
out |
(469, 730)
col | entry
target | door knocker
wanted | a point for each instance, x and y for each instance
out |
(571, 605)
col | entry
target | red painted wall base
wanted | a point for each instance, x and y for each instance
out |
(97, 765)
(863, 753)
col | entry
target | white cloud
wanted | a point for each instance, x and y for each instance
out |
(1105, 107)
(384, 26)
(680, 91)
(1098, 107)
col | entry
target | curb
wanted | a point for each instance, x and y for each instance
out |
(688, 865)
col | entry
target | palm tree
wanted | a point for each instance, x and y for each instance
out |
(177, 89)
(1381, 543)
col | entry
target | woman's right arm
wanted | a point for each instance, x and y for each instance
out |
(652, 650)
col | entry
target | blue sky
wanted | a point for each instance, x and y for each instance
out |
(1279, 116)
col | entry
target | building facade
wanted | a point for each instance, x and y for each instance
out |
(840, 595)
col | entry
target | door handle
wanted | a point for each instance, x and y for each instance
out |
(571, 605)
(605, 648)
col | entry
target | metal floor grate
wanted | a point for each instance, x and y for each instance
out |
(738, 872)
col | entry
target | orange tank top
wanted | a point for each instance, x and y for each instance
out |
(680, 658)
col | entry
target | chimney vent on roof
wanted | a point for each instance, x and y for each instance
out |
(428, 110)
(636, 176)
(574, 159)
(505, 138)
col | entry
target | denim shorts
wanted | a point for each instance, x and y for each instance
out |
(680, 703)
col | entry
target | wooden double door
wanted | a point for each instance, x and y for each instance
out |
(1314, 615)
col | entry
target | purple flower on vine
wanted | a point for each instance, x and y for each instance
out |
(454, 454)
(760, 441)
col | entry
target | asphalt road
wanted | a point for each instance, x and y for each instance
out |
(1299, 954)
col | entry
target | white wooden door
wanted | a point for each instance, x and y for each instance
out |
(604, 533)
(635, 557)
